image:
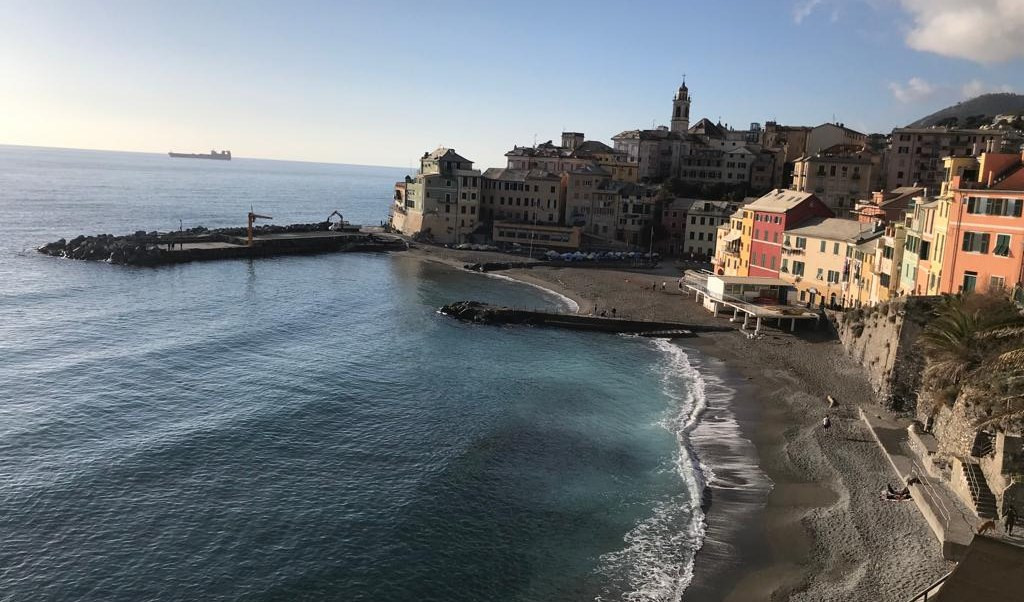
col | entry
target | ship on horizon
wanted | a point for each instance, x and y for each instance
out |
(222, 155)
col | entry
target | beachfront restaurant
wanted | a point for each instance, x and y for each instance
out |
(749, 289)
(749, 298)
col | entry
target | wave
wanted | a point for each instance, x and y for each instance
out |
(657, 561)
(571, 305)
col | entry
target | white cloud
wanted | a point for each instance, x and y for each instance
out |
(976, 87)
(915, 90)
(804, 8)
(984, 31)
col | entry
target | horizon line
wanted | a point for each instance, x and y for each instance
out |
(233, 156)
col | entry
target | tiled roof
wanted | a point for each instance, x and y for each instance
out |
(833, 228)
(779, 200)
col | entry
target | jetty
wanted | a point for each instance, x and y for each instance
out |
(201, 244)
(484, 313)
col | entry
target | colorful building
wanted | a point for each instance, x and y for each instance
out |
(819, 260)
(985, 229)
(773, 214)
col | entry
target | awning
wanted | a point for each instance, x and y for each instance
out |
(734, 235)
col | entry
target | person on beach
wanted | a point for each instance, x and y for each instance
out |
(613, 312)
(1009, 518)
(826, 423)
(663, 287)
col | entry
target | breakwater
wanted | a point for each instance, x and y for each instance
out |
(202, 244)
(483, 313)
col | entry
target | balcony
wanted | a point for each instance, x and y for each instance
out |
(791, 250)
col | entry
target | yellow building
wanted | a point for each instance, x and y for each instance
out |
(822, 251)
(729, 241)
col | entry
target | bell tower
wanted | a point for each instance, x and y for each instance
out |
(681, 109)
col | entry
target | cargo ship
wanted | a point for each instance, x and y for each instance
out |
(222, 155)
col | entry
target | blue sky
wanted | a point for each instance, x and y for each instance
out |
(381, 82)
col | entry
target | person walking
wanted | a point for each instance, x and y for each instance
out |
(1009, 518)
(663, 286)
(826, 423)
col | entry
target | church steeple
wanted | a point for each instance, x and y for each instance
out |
(681, 109)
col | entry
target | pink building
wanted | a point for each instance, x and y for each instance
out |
(986, 227)
(773, 214)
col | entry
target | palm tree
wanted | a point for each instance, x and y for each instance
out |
(962, 336)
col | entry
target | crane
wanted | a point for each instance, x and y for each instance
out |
(252, 218)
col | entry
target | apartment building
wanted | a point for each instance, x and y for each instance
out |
(770, 216)
(441, 202)
(986, 227)
(839, 175)
(916, 155)
(819, 259)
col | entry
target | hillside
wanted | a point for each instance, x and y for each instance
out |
(974, 112)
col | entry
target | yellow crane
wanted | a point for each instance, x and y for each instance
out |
(252, 218)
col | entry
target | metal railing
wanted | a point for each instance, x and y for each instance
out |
(931, 589)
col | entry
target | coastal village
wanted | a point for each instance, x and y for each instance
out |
(908, 246)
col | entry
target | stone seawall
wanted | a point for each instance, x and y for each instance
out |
(201, 244)
(884, 340)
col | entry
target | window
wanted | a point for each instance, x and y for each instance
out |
(785, 264)
(764, 261)
(775, 237)
(821, 274)
(996, 283)
(970, 282)
(801, 242)
(999, 207)
(883, 279)
(773, 262)
(835, 249)
(822, 249)
(833, 277)
(923, 251)
(798, 268)
(1002, 245)
(975, 242)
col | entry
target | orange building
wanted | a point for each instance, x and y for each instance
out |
(986, 227)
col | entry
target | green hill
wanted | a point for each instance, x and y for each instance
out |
(974, 112)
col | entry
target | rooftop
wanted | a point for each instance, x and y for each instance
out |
(834, 228)
(779, 200)
(518, 175)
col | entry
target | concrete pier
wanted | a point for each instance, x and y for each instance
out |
(482, 313)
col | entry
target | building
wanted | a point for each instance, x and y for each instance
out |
(888, 261)
(818, 259)
(919, 247)
(589, 204)
(441, 202)
(731, 243)
(681, 109)
(839, 175)
(828, 135)
(537, 236)
(886, 207)
(528, 196)
(655, 152)
(916, 155)
(691, 225)
(769, 217)
(986, 227)
(638, 210)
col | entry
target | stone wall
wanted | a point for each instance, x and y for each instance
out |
(884, 340)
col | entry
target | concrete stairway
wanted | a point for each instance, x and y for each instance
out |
(981, 495)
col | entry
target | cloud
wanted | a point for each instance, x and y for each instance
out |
(915, 90)
(976, 87)
(804, 8)
(984, 31)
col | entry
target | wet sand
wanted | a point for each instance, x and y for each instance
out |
(820, 532)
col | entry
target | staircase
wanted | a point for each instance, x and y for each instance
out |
(981, 495)
(984, 445)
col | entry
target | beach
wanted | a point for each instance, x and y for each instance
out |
(821, 532)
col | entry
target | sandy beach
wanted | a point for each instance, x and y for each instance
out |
(820, 532)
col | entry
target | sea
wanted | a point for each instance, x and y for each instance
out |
(310, 427)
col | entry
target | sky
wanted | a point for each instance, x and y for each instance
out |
(382, 81)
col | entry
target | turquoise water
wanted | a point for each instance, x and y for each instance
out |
(311, 427)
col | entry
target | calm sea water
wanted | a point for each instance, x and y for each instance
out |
(310, 427)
